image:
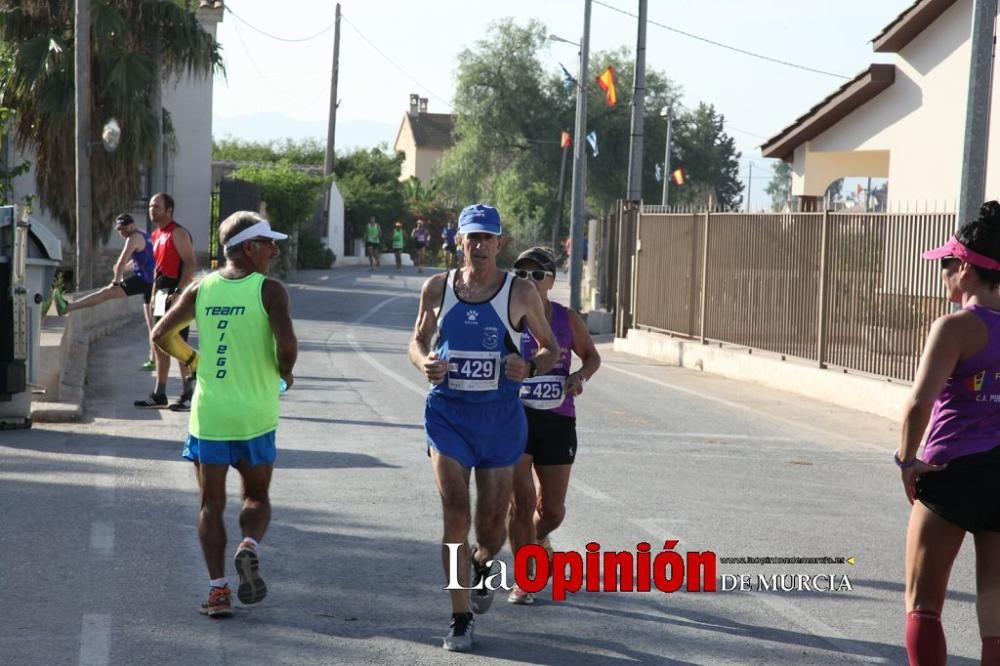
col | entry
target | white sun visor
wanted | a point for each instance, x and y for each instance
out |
(259, 230)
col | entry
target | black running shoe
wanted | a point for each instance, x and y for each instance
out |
(252, 588)
(183, 403)
(459, 638)
(152, 401)
(481, 599)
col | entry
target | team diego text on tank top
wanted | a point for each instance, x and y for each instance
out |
(168, 260)
(238, 378)
(473, 337)
(142, 260)
(548, 391)
(966, 415)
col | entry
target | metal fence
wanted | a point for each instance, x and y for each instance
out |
(844, 290)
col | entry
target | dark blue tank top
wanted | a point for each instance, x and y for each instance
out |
(142, 260)
(473, 337)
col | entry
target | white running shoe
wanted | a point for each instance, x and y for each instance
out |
(459, 638)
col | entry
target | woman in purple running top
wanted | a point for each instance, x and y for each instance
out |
(956, 482)
(548, 403)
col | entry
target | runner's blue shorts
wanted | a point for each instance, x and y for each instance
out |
(257, 451)
(477, 434)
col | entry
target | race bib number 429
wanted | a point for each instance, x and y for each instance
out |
(473, 370)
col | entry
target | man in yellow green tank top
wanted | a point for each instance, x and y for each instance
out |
(398, 239)
(373, 243)
(248, 350)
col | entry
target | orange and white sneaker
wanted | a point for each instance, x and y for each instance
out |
(252, 587)
(219, 604)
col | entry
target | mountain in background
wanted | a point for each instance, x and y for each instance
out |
(277, 126)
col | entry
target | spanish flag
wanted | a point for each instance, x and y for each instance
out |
(607, 82)
(677, 175)
(566, 140)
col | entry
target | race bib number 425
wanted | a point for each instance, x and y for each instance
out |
(473, 370)
(543, 392)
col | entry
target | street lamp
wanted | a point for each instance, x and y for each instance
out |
(557, 38)
(665, 114)
(579, 186)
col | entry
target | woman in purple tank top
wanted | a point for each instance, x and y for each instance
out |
(956, 482)
(549, 406)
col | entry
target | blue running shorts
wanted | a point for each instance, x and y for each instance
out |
(258, 451)
(477, 434)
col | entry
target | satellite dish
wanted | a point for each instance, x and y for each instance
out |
(111, 135)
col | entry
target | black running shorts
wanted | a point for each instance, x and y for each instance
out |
(965, 493)
(551, 437)
(136, 285)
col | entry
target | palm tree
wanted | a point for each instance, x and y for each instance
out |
(36, 82)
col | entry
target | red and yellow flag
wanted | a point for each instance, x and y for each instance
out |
(566, 140)
(678, 176)
(607, 82)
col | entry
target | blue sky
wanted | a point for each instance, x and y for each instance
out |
(391, 48)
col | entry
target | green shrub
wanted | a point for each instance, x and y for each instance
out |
(312, 252)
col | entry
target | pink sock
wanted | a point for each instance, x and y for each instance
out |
(925, 645)
(991, 651)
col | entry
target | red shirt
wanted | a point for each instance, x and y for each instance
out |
(168, 260)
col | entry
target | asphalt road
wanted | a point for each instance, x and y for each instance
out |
(100, 563)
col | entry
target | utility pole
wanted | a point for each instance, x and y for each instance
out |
(562, 199)
(81, 76)
(331, 129)
(977, 111)
(156, 183)
(749, 182)
(638, 110)
(579, 200)
(666, 159)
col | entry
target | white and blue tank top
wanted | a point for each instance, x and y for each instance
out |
(473, 337)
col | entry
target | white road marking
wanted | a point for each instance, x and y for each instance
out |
(735, 405)
(102, 540)
(591, 492)
(95, 640)
(365, 356)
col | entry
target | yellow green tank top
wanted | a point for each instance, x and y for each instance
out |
(397, 239)
(373, 233)
(237, 396)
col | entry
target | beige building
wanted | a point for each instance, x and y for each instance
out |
(904, 121)
(423, 138)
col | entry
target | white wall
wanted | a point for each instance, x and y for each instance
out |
(335, 222)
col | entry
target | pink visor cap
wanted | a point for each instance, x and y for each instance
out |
(953, 248)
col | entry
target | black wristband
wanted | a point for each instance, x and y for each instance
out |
(534, 368)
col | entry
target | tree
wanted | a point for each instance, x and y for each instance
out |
(305, 152)
(780, 187)
(709, 158)
(369, 182)
(36, 79)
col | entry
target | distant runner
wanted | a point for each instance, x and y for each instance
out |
(450, 245)
(398, 240)
(421, 237)
(373, 243)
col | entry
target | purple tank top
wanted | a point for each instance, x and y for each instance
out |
(966, 415)
(548, 391)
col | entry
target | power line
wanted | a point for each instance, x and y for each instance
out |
(253, 63)
(280, 39)
(726, 46)
(393, 62)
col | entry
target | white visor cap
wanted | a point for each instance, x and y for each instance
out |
(260, 230)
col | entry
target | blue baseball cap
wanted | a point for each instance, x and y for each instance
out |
(479, 219)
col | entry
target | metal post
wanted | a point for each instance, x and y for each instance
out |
(562, 200)
(81, 76)
(704, 276)
(331, 128)
(823, 267)
(977, 111)
(638, 110)
(666, 159)
(749, 182)
(156, 181)
(578, 202)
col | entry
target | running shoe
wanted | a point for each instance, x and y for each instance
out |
(152, 401)
(183, 403)
(148, 365)
(481, 599)
(219, 604)
(520, 597)
(61, 304)
(459, 638)
(252, 588)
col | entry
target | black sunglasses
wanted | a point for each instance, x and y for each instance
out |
(269, 241)
(948, 262)
(537, 275)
